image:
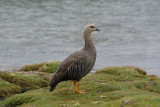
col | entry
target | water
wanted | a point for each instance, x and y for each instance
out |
(34, 31)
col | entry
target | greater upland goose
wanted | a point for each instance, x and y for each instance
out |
(78, 64)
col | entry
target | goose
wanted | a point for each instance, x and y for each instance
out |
(78, 64)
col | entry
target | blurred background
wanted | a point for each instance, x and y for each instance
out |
(34, 31)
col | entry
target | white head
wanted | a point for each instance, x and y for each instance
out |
(90, 28)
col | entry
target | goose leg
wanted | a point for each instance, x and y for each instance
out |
(78, 91)
(75, 86)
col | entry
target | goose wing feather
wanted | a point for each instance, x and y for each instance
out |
(72, 61)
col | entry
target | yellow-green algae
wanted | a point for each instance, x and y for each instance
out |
(109, 87)
(49, 67)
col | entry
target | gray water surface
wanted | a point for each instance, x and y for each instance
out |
(34, 31)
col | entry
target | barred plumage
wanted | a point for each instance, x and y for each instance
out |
(78, 64)
(77, 71)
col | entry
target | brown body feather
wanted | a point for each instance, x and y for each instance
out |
(77, 65)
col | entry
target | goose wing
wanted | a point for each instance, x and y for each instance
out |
(73, 61)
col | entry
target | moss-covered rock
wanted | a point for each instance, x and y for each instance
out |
(8, 89)
(133, 75)
(49, 67)
(124, 70)
(109, 87)
(102, 92)
(18, 100)
(148, 84)
(12, 82)
(33, 67)
(26, 82)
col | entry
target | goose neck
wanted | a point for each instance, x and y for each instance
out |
(88, 41)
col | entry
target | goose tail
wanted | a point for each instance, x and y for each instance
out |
(54, 81)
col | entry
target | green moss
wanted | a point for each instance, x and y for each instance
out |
(8, 89)
(50, 67)
(148, 84)
(26, 82)
(122, 70)
(12, 82)
(133, 76)
(33, 67)
(114, 87)
(18, 100)
(67, 97)
(141, 71)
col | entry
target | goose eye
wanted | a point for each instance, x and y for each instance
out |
(92, 26)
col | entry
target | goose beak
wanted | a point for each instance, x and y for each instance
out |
(97, 29)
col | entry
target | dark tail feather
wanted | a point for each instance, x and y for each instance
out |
(52, 87)
(54, 81)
